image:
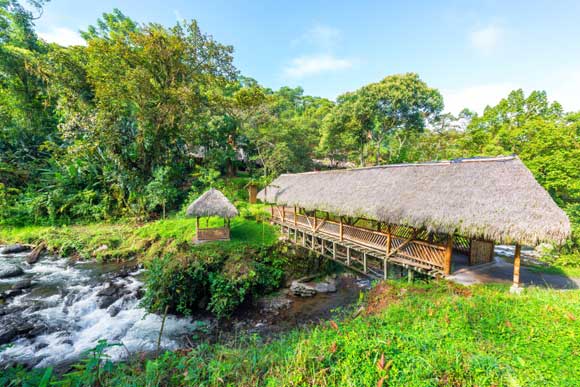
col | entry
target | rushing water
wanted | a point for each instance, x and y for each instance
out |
(64, 312)
(63, 309)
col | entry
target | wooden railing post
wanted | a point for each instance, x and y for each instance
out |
(341, 230)
(315, 223)
(517, 263)
(294, 215)
(388, 252)
(448, 255)
(283, 213)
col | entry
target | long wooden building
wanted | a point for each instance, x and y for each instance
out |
(426, 217)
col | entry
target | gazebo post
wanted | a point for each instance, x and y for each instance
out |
(517, 262)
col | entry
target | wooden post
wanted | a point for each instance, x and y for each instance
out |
(517, 262)
(272, 211)
(448, 255)
(283, 213)
(303, 239)
(348, 256)
(322, 245)
(385, 268)
(365, 262)
(295, 235)
(334, 251)
(410, 275)
(294, 215)
(315, 223)
(387, 253)
(341, 230)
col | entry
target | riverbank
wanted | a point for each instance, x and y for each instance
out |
(435, 334)
(124, 241)
(55, 310)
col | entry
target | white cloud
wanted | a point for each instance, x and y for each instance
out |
(316, 64)
(322, 37)
(476, 97)
(63, 36)
(487, 39)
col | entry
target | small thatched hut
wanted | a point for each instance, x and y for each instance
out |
(482, 199)
(212, 203)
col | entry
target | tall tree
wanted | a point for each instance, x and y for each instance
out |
(382, 115)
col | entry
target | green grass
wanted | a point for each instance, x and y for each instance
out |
(133, 240)
(568, 271)
(434, 334)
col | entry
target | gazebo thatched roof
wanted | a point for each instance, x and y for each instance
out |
(495, 199)
(212, 203)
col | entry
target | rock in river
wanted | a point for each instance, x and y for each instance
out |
(9, 271)
(14, 249)
(33, 257)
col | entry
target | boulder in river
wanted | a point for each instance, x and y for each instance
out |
(304, 288)
(24, 284)
(35, 254)
(10, 271)
(14, 249)
(110, 294)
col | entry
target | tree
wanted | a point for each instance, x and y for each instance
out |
(383, 115)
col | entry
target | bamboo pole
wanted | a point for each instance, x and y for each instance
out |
(517, 262)
(365, 262)
(448, 255)
(315, 221)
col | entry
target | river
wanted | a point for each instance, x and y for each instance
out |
(55, 310)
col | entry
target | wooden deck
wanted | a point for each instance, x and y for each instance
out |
(364, 250)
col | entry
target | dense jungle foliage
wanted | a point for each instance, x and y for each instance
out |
(145, 116)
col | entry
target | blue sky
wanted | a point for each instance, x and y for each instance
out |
(473, 52)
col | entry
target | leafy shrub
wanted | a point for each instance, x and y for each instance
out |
(217, 278)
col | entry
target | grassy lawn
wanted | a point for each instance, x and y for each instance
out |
(128, 240)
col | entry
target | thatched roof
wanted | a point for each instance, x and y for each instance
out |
(490, 198)
(212, 203)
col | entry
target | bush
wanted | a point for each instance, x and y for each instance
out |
(217, 278)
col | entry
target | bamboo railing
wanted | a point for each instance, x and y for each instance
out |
(394, 247)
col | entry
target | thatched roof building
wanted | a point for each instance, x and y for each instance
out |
(212, 203)
(495, 199)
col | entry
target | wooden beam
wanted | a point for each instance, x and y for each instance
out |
(448, 255)
(517, 262)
